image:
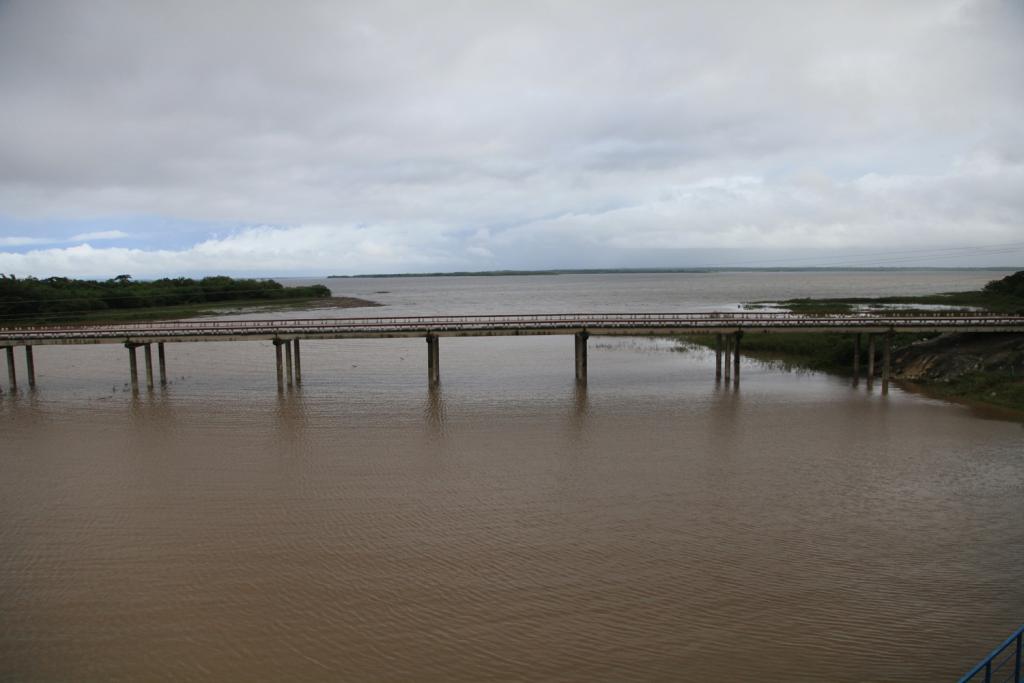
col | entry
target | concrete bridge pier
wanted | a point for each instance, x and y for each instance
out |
(736, 357)
(133, 366)
(298, 362)
(280, 363)
(433, 360)
(581, 355)
(149, 366)
(163, 363)
(727, 339)
(30, 366)
(856, 359)
(886, 362)
(12, 376)
(871, 361)
(718, 357)
(289, 368)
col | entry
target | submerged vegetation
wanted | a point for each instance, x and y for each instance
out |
(63, 299)
(999, 296)
(824, 352)
(979, 368)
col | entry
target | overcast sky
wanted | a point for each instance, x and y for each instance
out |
(160, 138)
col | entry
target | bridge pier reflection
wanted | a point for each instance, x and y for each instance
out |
(434, 409)
(871, 361)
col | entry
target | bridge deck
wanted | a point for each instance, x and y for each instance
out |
(501, 325)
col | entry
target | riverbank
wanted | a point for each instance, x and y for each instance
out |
(975, 368)
(983, 368)
(198, 310)
(58, 300)
(972, 368)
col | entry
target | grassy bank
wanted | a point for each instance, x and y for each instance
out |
(998, 389)
(986, 369)
(1001, 386)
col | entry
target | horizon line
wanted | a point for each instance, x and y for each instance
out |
(624, 271)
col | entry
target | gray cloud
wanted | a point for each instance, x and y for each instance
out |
(493, 134)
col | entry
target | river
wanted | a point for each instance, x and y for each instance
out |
(510, 525)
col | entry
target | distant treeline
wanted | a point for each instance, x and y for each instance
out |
(1011, 285)
(651, 271)
(502, 273)
(28, 298)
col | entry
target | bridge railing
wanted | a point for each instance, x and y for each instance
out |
(528, 317)
(417, 320)
(1002, 665)
(469, 323)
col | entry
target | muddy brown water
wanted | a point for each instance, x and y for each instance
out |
(510, 525)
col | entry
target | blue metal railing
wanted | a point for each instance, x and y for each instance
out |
(1002, 664)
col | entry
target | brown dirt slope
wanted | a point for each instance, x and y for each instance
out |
(949, 357)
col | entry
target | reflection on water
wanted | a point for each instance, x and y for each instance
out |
(434, 410)
(511, 523)
(580, 407)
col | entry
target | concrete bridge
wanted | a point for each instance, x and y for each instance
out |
(728, 329)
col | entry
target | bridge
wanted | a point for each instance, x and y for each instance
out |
(727, 327)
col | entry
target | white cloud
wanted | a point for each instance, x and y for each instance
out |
(403, 135)
(100, 235)
(276, 250)
(801, 212)
(21, 241)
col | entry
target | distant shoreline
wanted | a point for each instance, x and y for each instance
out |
(655, 271)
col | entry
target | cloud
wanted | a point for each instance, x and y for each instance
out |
(20, 241)
(99, 235)
(679, 227)
(264, 249)
(403, 135)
